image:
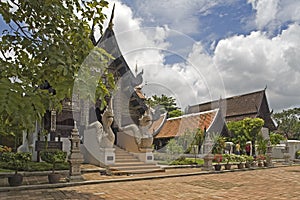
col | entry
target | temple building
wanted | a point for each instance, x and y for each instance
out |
(208, 121)
(236, 108)
(128, 101)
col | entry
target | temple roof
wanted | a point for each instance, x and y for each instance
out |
(177, 126)
(236, 108)
(158, 124)
(124, 77)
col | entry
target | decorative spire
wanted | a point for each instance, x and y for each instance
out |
(136, 68)
(75, 125)
(111, 24)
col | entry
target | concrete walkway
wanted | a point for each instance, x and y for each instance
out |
(186, 183)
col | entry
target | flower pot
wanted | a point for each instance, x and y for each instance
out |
(217, 167)
(254, 164)
(53, 178)
(240, 166)
(227, 166)
(247, 165)
(15, 180)
(260, 164)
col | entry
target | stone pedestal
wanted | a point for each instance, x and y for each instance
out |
(207, 166)
(146, 157)
(75, 158)
(269, 155)
(107, 156)
(208, 157)
(286, 155)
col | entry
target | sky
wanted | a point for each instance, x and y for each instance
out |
(203, 50)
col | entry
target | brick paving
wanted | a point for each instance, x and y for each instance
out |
(272, 183)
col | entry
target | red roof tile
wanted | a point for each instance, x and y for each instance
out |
(178, 126)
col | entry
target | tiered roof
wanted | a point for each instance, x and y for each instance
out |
(126, 79)
(236, 108)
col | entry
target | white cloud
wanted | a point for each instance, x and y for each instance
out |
(148, 47)
(271, 14)
(179, 15)
(244, 63)
(266, 11)
(253, 61)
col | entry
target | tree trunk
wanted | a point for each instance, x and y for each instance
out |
(253, 147)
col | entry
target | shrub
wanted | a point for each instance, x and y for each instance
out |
(240, 158)
(249, 159)
(54, 157)
(16, 161)
(228, 158)
(182, 161)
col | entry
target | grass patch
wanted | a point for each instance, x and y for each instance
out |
(198, 161)
(187, 161)
(182, 161)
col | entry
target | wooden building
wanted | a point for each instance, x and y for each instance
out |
(236, 108)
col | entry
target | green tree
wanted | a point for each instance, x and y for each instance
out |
(246, 130)
(237, 130)
(219, 144)
(174, 148)
(275, 138)
(42, 50)
(167, 104)
(289, 122)
(262, 144)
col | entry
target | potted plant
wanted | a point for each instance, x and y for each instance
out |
(228, 158)
(218, 158)
(240, 159)
(16, 161)
(249, 161)
(260, 159)
(267, 161)
(53, 157)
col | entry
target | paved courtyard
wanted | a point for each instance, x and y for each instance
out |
(275, 183)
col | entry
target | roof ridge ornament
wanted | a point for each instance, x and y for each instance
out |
(111, 24)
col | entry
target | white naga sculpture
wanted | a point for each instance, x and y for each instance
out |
(140, 132)
(105, 135)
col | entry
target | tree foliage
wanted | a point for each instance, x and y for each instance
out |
(173, 148)
(245, 130)
(190, 138)
(167, 104)
(275, 138)
(289, 122)
(219, 144)
(42, 49)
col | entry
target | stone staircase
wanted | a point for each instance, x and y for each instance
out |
(126, 163)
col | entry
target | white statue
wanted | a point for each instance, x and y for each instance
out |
(140, 132)
(105, 135)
